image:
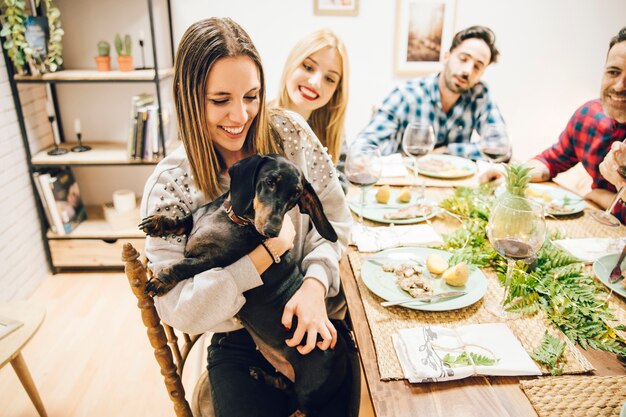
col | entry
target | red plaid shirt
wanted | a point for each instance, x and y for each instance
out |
(587, 138)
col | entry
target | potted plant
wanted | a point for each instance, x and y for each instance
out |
(103, 60)
(124, 59)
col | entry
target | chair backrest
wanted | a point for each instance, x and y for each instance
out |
(171, 358)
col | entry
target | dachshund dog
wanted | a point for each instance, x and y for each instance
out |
(263, 189)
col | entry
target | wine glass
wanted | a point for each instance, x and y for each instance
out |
(605, 217)
(516, 230)
(363, 168)
(418, 139)
(494, 144)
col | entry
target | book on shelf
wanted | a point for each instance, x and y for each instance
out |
(437, 353)
(144, 137)
(60, 196)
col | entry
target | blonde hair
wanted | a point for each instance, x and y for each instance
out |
(203, 44)
(327, 122)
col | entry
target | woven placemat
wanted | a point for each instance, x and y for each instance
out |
(577, 396)
(384, 322)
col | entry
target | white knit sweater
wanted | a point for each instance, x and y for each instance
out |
(210, 300)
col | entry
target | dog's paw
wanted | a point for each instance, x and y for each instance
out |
(158, 286)
(153, 225)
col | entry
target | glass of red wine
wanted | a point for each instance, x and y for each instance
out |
(605, 217)
(516, 230)
(363, 168)
(418, 139)
(494, 144)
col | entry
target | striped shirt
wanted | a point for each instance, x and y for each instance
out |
(419, 100)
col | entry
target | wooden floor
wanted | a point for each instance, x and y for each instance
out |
(91, 356)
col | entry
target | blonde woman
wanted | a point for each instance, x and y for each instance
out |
(314, 84)
(219, 97)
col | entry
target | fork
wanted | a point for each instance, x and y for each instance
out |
(617, 274)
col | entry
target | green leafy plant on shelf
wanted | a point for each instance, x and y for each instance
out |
(13, 16)
(555, 283)
(124, 50)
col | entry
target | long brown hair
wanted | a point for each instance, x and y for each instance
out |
(328, 121)
(203, 44)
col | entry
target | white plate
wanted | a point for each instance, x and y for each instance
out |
(460, 167)
(546, 195)
(603, 267)
(383, 284)
(376, 211)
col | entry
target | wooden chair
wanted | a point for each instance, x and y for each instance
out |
(171, 358)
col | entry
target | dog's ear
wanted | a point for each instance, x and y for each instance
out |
(310, 204)
(243, 182)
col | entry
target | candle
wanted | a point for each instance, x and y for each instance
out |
(77, 126)
(141, 36)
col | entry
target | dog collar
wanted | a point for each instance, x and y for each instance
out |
(231, 214)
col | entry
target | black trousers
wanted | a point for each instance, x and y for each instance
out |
(244, 383)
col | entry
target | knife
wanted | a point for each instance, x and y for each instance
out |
(616, 273)
(394, 261)
(425, 298)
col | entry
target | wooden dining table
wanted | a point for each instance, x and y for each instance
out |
(478, 396)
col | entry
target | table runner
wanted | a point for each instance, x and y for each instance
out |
(384, 321)
(577, 396)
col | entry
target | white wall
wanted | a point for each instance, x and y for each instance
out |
(21, 249)
(552, 52)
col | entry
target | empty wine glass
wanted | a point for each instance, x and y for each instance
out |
(418, 139)
(494, 144)
(605, 217)
(363, 168)
(516, 230)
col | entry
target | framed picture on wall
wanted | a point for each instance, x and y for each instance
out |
(336, 7)
(424, 31)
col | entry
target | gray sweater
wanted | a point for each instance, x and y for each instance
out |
(210, 300)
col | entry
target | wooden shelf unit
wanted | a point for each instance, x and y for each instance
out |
(93, 244)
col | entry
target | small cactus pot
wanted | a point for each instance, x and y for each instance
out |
(103, 63)
(125, 63)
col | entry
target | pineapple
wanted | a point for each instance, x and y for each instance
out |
(517, 179)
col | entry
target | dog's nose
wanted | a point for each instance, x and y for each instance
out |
(271, 231)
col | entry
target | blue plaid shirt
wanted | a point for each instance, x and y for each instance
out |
(419, 100)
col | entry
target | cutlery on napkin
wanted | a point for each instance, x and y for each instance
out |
(372, 239)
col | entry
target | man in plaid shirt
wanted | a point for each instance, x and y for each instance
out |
(591, 132)
(454, 102)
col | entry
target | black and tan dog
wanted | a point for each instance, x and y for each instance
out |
(263, 189)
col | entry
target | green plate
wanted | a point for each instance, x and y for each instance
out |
(460, 167)
(376, 211)
(383, 283)
(623, 413)
(603, 267)
(546, 194)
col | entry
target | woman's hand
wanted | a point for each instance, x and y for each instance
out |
(284, 241)
(309, 305)
(612, 161)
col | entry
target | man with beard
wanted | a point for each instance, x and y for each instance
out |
(593, 130)
(454, 102)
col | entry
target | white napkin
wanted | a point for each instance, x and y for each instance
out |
(421, 351)
(372, 239)
(392, 166)
(590, 249)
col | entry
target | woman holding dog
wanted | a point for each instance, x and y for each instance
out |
(219, 96)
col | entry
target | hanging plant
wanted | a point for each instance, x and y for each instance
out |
(24, 58)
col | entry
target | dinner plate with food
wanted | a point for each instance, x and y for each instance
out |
(603, 266)
(445, 166)
(556, 201)
(400, 275)
(394, 205)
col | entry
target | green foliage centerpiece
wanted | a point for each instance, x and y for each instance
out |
(557, 284)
